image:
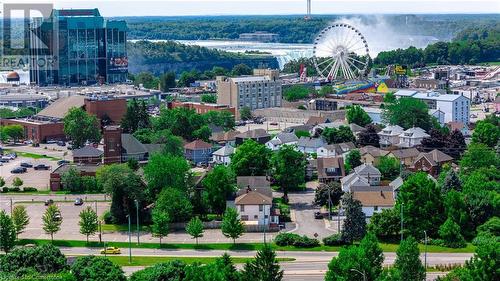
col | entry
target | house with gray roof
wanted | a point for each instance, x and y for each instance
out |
(334, 150)
(87, 155)
(259, 135)
(412, 137)
(132, 148)
(282, 139)
(389, 135)
(223, 155)
(363, 175)
(309, 144)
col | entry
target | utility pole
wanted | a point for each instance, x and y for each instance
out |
(10, 207)
(329, 204)
(265, 225)
(137, 214)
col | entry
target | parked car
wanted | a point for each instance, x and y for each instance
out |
(41, 167)
(48, 202)
(18, 170)
(318, 215)
(61, 143)
(78, 201)
(111, 251)
(11, 156)
(4, 159)
(26, 165)
(62, 162)
(273, 123)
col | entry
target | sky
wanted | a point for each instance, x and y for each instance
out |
(114, 8)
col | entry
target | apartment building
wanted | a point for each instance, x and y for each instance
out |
(262, 90)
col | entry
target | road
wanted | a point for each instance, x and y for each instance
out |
(307, 263)
(303, 213)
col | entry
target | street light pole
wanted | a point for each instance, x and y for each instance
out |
(264, 209)
(402, 204)
(137, 215)
(425, 254)
(329, 204)
(10, 207)
(129, 240)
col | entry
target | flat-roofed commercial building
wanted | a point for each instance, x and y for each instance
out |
(89, 49)
(262, 90)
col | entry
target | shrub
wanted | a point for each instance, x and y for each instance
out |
(450, 233)
(306, 242)
(29, 189)
(44, 259)
(286, 239)
(333, 240)
(5, 189)
(107, 217)
(14, 189)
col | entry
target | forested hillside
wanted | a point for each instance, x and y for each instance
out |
(160, 57)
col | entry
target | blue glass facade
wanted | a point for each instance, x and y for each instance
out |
(84, 47)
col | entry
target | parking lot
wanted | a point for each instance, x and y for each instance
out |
(38, 179)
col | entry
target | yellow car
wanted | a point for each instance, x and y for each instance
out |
(111, 251)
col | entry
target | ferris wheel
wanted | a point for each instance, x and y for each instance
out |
(340, 52)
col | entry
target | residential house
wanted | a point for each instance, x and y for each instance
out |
(334, 150)
(198, 152)
(259, 135)
(396, 185)
(87, 155)
(431, 162)
(405, 156)
(389, 136)
(281, 139)
(371, 154)
(315, 120)
(412, 137)
(84, 170)
(464, 129)
(223, 138)
(365, 175)
(375, 200)
(298, 128)
(132, 148)
(223, 155)
(309, 144)
(330, 169)
(260, 183)
(255, 208)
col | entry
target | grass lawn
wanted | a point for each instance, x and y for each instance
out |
(151, 260)
(32, 155)
(229, 246)
(122, 227)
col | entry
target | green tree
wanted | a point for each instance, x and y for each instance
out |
(326, 90)
(457, 209)
(187, 78)
(7, 232)
(81, 127)
(245, 113)
(175, 204)
(164, 170)
(72, 180)
(264, 267)
(160, 227)
(352, 160)
(389, 167)
(355, 222)
(321, 194)
(478, 156)
(296, 92)
(136, 117)
(232, 227)
(241, 69)
(355, 114)
(171, 270)
(389, 97)
(17, 182)
(167, 81)
(449, 231)
(219, 185)
(52, 221)
(368, 136)
(419, 216)
(20, 219)
(408, 263)
(451, 182)
(407, 113)
(289, 166)
(486, 133)
(124, 186)
(209, 98)
(251, 159)
(195, 228)
(147, 79)
(203, 133)
(374, 254)
(92, 268)
(43, 259)
(2, 181)
(88, 222)
(13, 132)
(386, 225)
(334, 135)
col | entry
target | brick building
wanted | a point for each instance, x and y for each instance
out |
(38, 130)
(201, 107)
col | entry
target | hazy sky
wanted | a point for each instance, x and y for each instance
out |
(111, 8)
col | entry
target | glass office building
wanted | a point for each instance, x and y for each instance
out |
(78, 47)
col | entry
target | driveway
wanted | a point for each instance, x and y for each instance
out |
(303, 213)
